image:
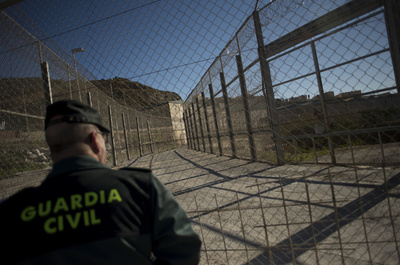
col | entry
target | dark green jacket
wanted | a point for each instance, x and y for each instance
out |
(86, 213)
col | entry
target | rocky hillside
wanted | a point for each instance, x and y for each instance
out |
(20, 93)
(134, 94)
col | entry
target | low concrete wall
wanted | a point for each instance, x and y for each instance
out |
(178, 126)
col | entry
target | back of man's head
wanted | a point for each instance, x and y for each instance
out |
(64, 136)
(72, 128)
(72, 111)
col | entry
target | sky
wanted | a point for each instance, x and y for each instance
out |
(165, 44)
(170, 44)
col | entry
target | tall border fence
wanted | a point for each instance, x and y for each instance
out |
(24, 97)
(311, 87)
(288, 143)
(304, 82)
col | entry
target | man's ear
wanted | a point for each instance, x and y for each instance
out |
(94, 142)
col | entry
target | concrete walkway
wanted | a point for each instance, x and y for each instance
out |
(255, 213)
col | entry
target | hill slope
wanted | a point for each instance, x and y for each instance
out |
(134, 94)
(20, 93)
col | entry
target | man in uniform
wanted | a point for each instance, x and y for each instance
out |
(87, 213)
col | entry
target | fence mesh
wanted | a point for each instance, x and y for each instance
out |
(276, 124)
(328, 83)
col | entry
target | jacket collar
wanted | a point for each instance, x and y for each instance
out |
(73, 164)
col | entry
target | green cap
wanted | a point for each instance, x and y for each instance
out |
(73, 111)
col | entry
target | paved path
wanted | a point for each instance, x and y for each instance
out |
(307, 213)
(255, 213)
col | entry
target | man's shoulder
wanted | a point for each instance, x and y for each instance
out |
(18, 197)
(145, 174)
(136, 169)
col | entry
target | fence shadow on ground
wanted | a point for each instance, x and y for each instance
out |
(240, 218)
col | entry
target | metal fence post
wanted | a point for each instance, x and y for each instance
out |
(206, 121)
(268, 91)
(186, 128)
(200, 124)
(138, 135)
(89, 98)
(129, 130)
(191, 129)
(195, 127)
(323, 103)
(246, 107)
(150, 139)
(228, 113)
(125, 135)
(48, 97)
(76, 76)
(25, 110)
(114, 155)
(69, 81)
(212, 97)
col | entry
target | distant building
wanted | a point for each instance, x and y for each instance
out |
(350, 94)
(299, 98)
(327, 95)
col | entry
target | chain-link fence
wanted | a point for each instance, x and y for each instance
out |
(302, 82)
(134, 133)
(286, 147)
